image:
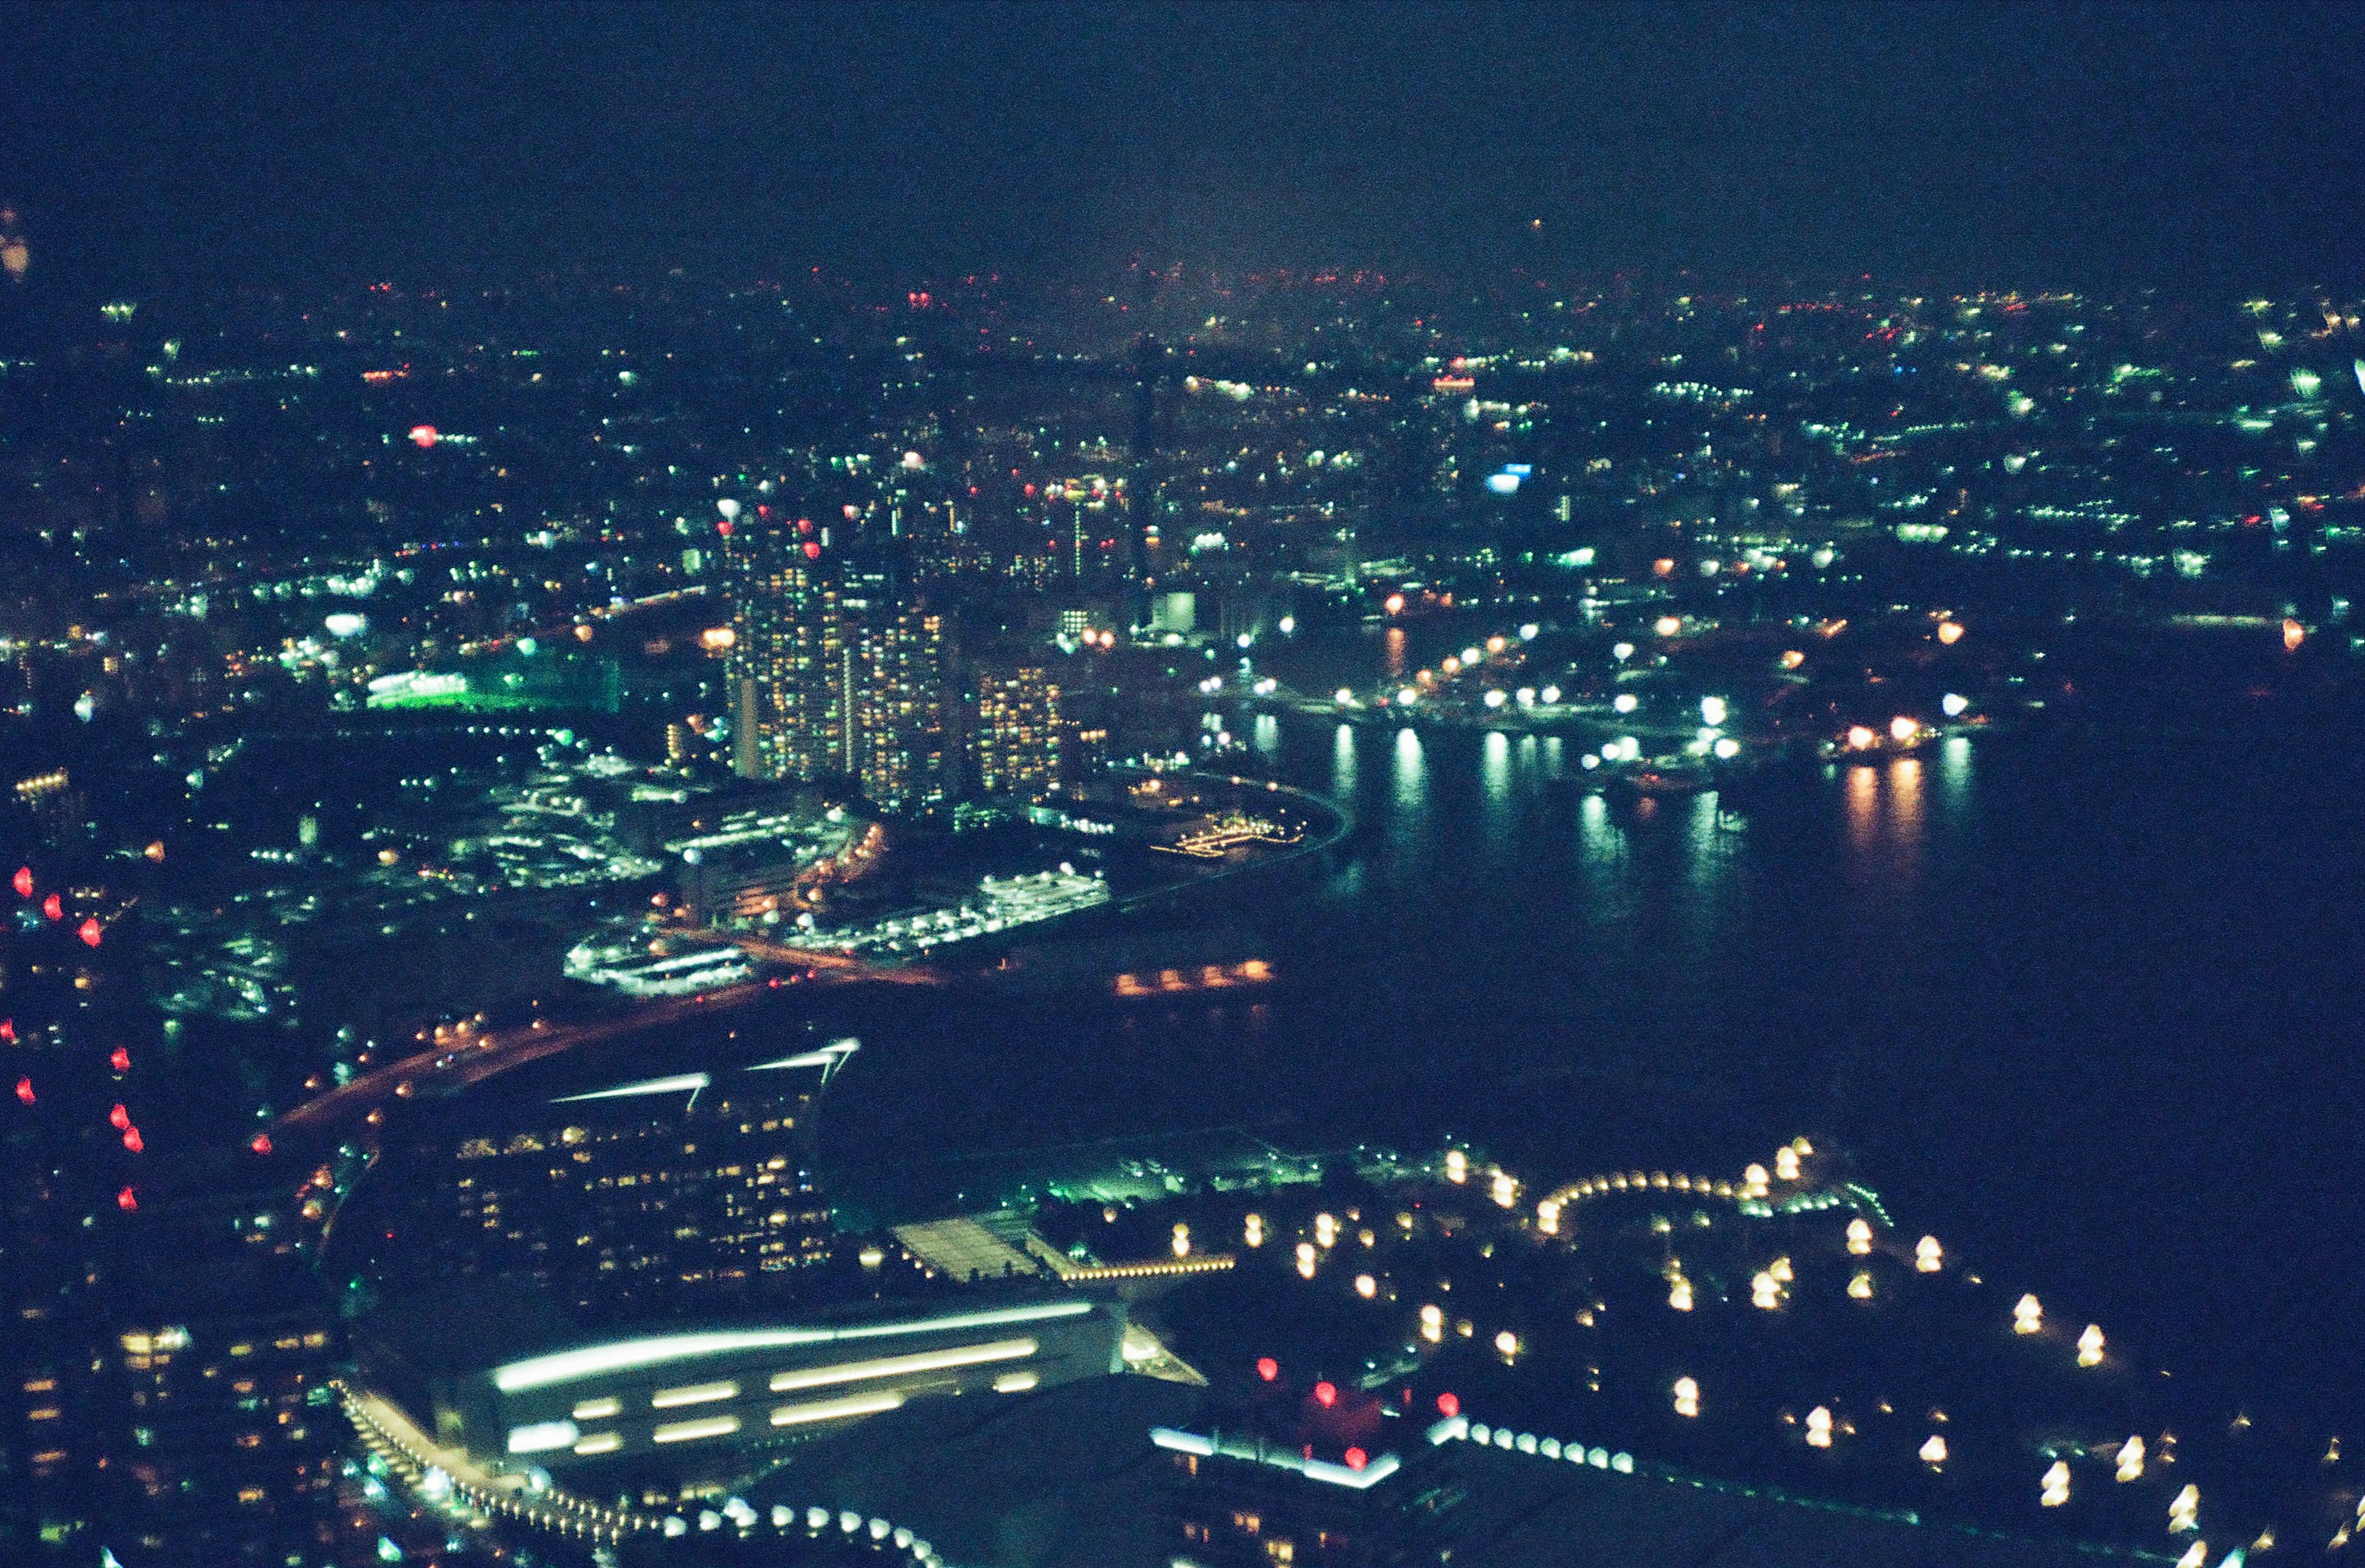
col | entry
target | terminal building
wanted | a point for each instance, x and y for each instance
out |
(685, 1406)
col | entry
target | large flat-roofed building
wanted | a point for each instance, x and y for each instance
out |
(672, 1397)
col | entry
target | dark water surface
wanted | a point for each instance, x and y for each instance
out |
(2087, 1009)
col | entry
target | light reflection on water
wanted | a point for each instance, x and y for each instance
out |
(1905, 811)
(1862, 810)
(1495, 779)
(1408, 822)
(1954, 779)
(1342, 766)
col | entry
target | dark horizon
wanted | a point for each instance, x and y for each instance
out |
(2215, 148)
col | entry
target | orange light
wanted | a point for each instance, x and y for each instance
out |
(1793, 660)
(1860, 738)
(1395, 604)
(1663, 567)
(155, 850)
(583, 634)
(2293, 635)
(1903, 729)
(718, 638)
(1950, 631)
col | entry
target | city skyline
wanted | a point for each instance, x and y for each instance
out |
(1153, 786)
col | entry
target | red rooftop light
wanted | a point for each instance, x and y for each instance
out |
(121, 1060)
(119, 1116)
(1448, 1404)
(1357, 1459)
(8, 1031)
(91, 932)
(127, 1200)
(23, 882)
(1267, 1368)
(132, 1141)
(25, 1090)
(1325, 1395)
(54, 907)
(424, 436)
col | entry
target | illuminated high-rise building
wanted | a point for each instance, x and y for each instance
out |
(901, 707)
(834, 671)
(70, 1169)
(1017, 740)
(166, 1358)
(786, 672)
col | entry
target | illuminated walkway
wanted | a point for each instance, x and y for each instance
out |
(446, 1481)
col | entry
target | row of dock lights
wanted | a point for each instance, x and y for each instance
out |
(557, 1511)
(2054, 1489)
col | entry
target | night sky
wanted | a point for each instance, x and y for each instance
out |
(2019, 144)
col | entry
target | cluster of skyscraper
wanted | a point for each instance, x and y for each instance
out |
(843, 671)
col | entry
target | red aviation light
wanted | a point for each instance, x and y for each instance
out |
(132, 1141)
(1267, 1368)
(25, 1090)
(8, 1031)
(812, 550)
(424, 436)
(23, 882)
(1325, 1395)
(127, 1200)
(1357, 1459)
(119, 1116)
(91, 932)
(121, 1060)
(723, 528)
(1449, 1404)
(54, 907)
(261, 1144)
